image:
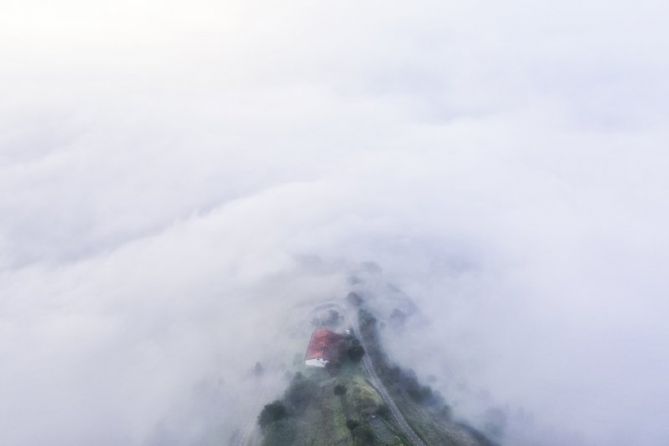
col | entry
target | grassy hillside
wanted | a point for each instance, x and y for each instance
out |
(327, 408)
(337, 406)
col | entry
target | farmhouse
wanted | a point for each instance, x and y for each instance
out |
(324, 347)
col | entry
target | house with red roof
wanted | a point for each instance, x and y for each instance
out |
(324, 347)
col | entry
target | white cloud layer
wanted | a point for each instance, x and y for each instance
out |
(181, 181)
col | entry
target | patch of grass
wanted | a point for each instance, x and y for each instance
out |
(362, 398)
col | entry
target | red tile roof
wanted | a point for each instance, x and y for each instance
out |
(323, 345)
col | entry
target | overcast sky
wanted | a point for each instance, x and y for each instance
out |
(180, 180)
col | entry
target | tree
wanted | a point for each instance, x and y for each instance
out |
(272, 412)
(363, 435)
(355, 353)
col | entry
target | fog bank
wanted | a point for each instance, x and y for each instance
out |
(181, 183)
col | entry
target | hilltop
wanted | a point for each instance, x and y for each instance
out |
(360, 397)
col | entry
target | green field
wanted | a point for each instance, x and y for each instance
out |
(328, 408)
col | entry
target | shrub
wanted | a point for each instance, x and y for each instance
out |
(363, 435)
(339, 389)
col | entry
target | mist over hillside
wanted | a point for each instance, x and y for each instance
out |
(183, 183)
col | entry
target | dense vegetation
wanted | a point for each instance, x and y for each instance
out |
(327, 407)
(424, 409)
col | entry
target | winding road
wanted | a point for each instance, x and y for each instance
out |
(376, 382)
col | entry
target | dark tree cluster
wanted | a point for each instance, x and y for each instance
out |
(296, 399)
(272, 412)
(355, 352)
(383, 411)
(416, 391)
(339, 390)
(400, 380)
(362, 433)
